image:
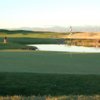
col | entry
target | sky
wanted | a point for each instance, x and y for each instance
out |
(48, 13)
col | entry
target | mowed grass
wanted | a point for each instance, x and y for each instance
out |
(25, 41)
(50, 62)
(32, 35)
(49, 73)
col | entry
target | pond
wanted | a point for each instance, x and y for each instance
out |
(65, 48)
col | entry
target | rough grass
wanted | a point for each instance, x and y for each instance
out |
(48, 84)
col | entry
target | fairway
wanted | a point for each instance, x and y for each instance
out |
(50, 62)
(49, 73)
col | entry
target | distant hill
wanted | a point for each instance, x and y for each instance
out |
(65, 29)
(53, 29)
(20, 31)
(14, 31)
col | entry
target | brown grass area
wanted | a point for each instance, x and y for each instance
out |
(70, 97)
(83, 35)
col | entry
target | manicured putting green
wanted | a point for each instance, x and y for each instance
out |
(50, 62)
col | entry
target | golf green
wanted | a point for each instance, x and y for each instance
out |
(50, 62)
